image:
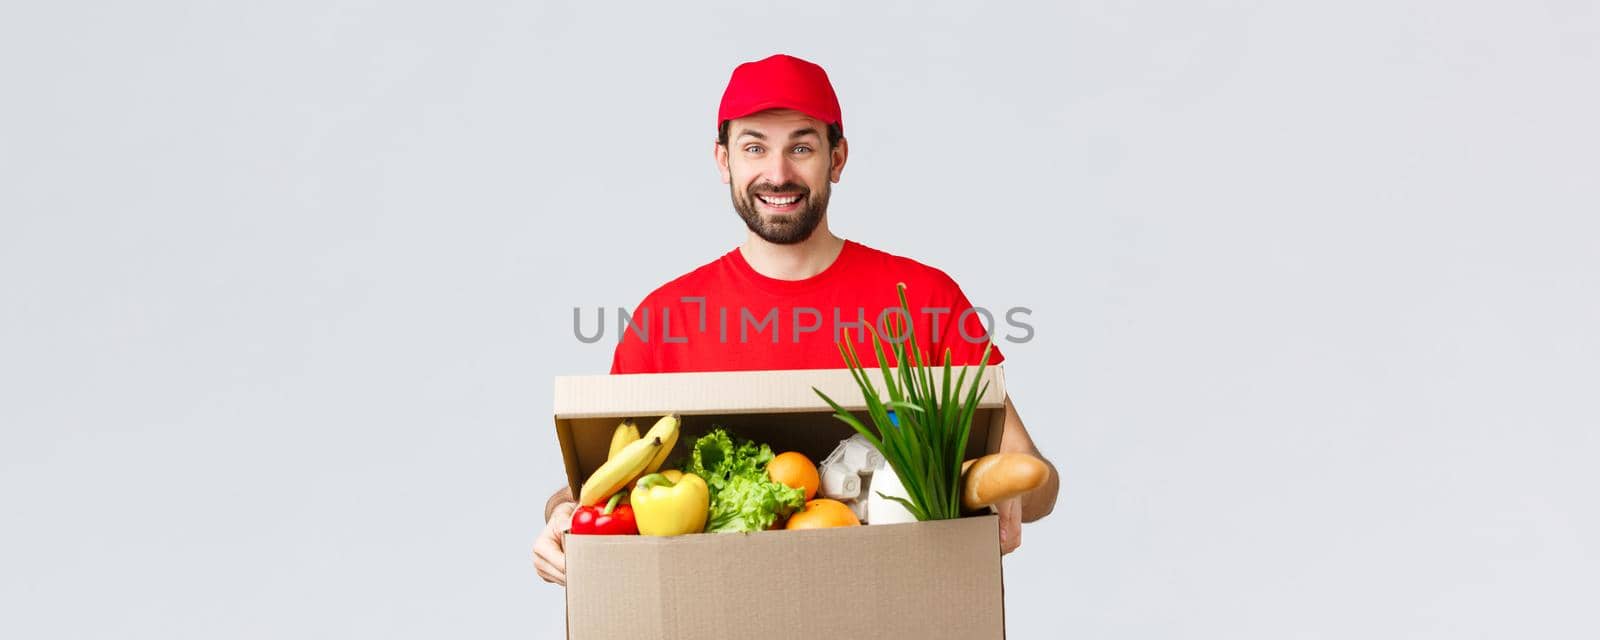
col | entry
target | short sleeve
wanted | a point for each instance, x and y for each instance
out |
(633, 355)
(964, 333)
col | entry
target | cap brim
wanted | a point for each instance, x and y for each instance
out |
(778, 104)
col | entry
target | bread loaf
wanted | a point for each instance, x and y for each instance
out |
(998, 476)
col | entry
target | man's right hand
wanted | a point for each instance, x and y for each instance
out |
(549, 558)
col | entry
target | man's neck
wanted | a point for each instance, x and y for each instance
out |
(797, 261)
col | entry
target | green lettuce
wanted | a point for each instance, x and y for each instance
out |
(742, 498)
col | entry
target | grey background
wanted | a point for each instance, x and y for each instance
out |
(283, 286)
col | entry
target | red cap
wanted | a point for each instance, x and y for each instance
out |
(780, 82)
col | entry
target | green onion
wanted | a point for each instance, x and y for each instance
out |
(927, 446)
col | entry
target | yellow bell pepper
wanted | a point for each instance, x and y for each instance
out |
(670, 503)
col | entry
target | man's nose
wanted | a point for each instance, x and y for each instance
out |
(780, 170)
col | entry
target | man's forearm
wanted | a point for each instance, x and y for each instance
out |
(564, 494)
(1040, 502)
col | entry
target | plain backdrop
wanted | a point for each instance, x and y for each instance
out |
(1315, 285)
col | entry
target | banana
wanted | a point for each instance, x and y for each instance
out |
(626, 433)
(619, 471)
(667, 429)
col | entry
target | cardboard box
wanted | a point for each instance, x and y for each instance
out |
(919, 580)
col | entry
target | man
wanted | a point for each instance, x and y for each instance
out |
(765, 305)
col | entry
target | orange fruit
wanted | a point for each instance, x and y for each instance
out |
(794, 469)
(823, 513)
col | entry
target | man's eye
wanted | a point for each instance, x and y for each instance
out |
(754, 148)
(802, 149)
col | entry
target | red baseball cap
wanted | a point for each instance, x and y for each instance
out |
(780, 82)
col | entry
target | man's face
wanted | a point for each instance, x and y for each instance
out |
(778, 167)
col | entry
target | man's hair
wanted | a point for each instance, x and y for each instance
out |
(835, 134)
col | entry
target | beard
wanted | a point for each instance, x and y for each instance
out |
(789, 228)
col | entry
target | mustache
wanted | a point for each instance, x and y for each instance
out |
(785, 188)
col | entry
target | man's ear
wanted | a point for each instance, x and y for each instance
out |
(840, 153)
(720, 152)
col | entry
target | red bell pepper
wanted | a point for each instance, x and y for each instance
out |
(612, 520)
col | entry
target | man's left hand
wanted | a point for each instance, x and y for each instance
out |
(1010, 524)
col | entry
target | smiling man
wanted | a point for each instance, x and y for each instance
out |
(767, 303)
(784, 203)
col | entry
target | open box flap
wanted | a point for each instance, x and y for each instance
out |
(619, 396)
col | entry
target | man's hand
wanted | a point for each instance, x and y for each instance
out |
(549, 558)
(1010, 524)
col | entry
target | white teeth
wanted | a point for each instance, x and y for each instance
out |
(779, 201)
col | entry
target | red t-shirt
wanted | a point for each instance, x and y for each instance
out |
(725, 316)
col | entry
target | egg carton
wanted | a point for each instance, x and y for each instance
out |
(846, 473)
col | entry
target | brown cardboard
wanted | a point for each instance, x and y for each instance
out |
(925, 579)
